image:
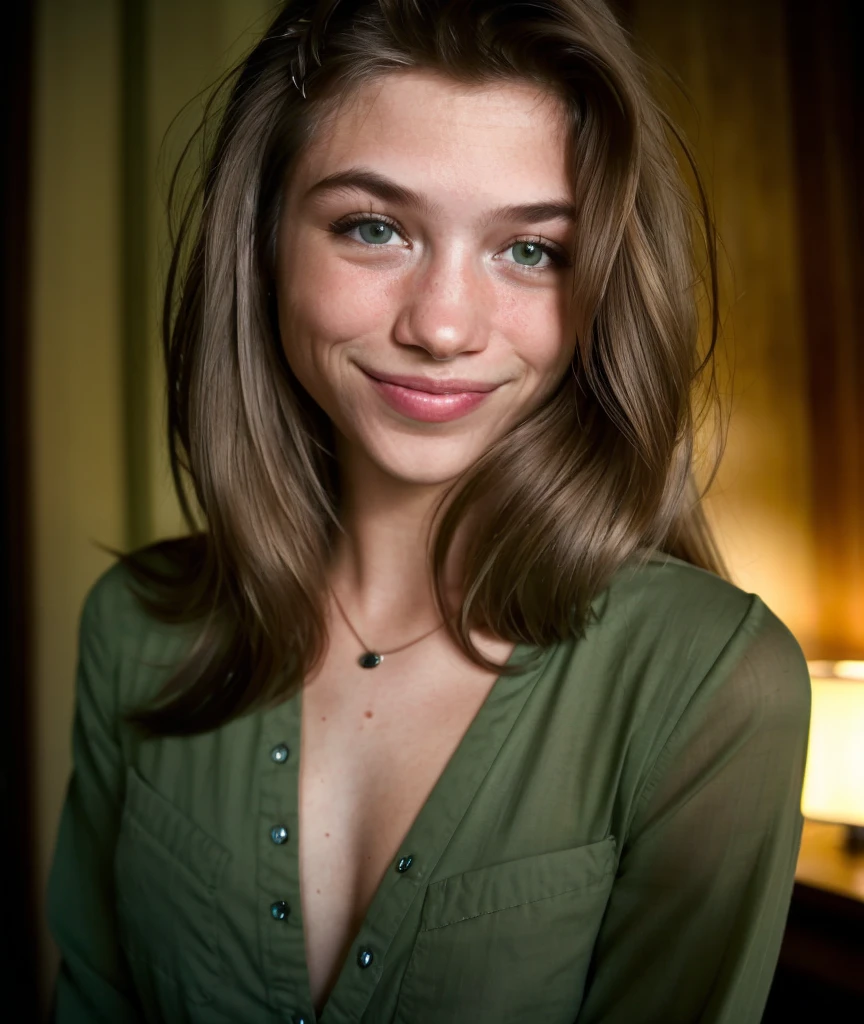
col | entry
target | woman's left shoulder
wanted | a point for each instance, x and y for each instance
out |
(705, 632)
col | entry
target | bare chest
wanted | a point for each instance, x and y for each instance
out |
(374, 743)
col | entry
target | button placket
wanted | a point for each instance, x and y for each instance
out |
(279, 909)
(280, 921)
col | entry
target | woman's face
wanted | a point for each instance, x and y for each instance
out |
(397, 255)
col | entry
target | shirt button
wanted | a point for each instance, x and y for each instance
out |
(279, 753)
(280, 910)
(279, 834)
(405, 863)
(364, 956)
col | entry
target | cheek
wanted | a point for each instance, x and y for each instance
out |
(540, 329)
(329, 298)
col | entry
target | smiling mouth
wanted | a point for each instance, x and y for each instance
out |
(426, 406)
(429, 386)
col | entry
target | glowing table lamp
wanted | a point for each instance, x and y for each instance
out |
(834, 778)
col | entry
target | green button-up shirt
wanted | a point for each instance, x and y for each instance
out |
(613, 841)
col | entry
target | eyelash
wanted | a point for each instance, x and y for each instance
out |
(558, 257)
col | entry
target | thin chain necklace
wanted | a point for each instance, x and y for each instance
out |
(370, 658)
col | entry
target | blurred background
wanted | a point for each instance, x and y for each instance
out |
(92, 87)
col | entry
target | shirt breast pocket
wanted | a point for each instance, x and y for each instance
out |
(509, 942)
(167, 872)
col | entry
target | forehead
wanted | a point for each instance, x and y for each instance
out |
(426, 126)
(512, 102)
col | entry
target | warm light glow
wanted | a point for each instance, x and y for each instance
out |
(849, 670)
(834, 780)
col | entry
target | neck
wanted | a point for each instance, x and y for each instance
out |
(379, 566)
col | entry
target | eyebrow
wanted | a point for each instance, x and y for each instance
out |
(387, 190)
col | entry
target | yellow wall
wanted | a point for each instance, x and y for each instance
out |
(731, 59)
(76, 372)
(80, 379)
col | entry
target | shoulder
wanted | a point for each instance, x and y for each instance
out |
(663, 585)
(114, 599)
(690, 634)
(115, 618)
(109, 602)
(688, 608)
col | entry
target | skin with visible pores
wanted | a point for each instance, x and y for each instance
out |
(443, 291)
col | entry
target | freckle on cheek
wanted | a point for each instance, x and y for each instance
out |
(368, 714)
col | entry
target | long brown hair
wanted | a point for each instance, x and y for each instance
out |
(601, 474)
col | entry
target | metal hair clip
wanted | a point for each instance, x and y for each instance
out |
(301, 87)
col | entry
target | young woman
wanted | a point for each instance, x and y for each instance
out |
(447, 712)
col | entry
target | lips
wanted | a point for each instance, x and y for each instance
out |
(427, 406)
(448, 386)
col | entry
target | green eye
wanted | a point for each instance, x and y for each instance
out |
(532, 251)
(375, 231)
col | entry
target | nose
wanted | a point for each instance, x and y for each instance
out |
(446, 306)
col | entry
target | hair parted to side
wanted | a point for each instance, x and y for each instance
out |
(601, 473)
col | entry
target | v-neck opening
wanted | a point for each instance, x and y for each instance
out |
(446, 805)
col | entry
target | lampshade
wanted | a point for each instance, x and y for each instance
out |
(834, 779)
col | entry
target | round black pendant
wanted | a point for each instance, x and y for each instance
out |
(370, 659)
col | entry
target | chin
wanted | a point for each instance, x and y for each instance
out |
(417, 462)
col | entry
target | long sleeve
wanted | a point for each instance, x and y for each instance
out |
(93, 986)
(694, 923)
